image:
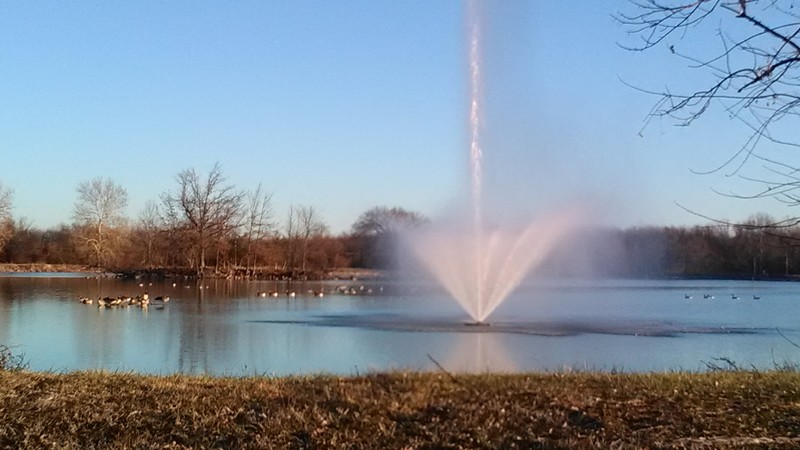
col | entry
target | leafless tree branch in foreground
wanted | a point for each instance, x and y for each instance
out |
(753, 76)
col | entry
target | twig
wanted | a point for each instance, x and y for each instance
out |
(449, 375)
(787, 339)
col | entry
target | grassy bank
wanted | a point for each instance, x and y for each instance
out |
(402, 410)
(42, 267)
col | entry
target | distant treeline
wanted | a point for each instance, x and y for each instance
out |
(208, 227)
(645, 252)
(747, 251)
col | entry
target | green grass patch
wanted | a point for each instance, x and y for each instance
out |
(87, 410)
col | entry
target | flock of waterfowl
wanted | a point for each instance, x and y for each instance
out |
(142, 301)
(711, 297)
(352, 290)
(288, 293)
(341, 290)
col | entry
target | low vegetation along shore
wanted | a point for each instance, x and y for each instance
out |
(41, 267)
(401, 410)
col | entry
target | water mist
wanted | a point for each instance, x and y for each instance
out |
(477, 262)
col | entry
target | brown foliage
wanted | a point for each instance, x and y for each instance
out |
(402, 410)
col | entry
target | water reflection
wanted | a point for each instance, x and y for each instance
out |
(224, 327)
(480, 353)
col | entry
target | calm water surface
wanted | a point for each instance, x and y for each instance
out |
(224, 327)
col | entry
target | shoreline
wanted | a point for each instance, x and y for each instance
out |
(43, 267)
(345, 273)
(164, 273)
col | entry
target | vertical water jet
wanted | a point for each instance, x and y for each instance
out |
(478, 263)
(475, 149)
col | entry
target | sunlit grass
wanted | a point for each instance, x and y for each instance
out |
(400, 410)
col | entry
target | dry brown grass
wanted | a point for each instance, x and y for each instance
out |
(44, 267)
(401, 410)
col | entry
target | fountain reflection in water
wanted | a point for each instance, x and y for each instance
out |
(480, 264)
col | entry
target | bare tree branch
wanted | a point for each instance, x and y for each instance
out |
(756, 76)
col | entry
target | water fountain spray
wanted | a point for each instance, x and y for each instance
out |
(475, 148)
(479, 265)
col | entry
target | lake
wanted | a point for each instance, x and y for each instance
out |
(222, 327)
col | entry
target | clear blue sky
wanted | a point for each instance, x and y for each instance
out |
(348, 105)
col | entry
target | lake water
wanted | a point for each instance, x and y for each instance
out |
(223, 327)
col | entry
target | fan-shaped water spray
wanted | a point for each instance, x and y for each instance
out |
(479, 264)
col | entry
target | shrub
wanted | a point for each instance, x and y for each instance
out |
(11, 362)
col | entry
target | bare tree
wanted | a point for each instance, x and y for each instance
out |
(304, 224)
(6, 197)
(6, 222)
(148, 226)
(176, 233)
(209, 208)
(98, 210)
(258, 221)
(376, 232)
(755, 74)
(291, 239)
(382, 220)
(310, 225)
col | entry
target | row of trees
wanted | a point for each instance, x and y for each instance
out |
(205, 224)
(208, 225)
(753, 249)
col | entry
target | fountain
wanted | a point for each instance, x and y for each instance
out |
(481, 266)
(479, 263)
